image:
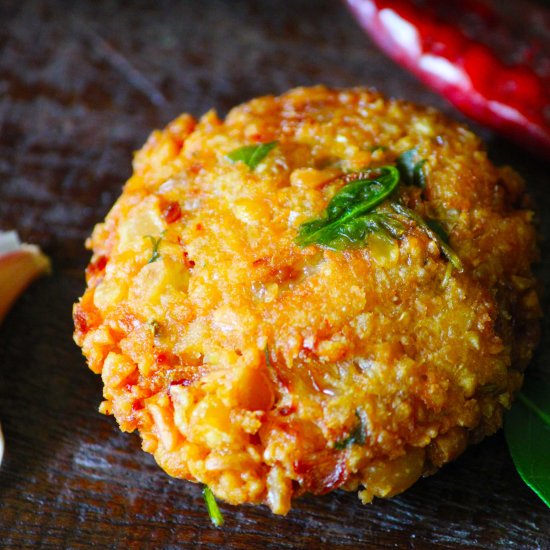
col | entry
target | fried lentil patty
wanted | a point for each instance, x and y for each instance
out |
(266, 369)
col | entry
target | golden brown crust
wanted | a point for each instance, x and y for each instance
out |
(244, 360)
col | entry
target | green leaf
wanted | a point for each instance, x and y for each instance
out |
(155, 243)
(527, 431)
(252, 155)
(374, 148)
(411, 169)
(356, 211)
(349, 216)
(447, 251)
(356, 436)
(437, 227)
(212, 506)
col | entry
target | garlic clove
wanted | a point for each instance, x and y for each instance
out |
(20, 264)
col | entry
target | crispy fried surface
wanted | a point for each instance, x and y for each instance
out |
(248, 363)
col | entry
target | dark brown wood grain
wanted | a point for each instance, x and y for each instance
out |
(81, 85)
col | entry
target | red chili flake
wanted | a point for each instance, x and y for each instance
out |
(199, 227)
(97, 266)
(162, 358)
(284, 274)
(80, 321)
(189, 263)
(171, 212)
(255, 439)
(302, 467)
(182, 382)
(178, 143)
(137, 405)
(195, 168)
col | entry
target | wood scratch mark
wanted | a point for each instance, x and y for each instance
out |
(133, 75)
(4, 106)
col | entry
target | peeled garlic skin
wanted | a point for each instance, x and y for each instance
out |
(18, 269)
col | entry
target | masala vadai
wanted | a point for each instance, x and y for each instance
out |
(262, 354)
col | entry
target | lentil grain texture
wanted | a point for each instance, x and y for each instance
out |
(244, 360)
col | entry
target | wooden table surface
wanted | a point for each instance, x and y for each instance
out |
(81, 85)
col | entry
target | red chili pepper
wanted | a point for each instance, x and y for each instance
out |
(471, 54)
